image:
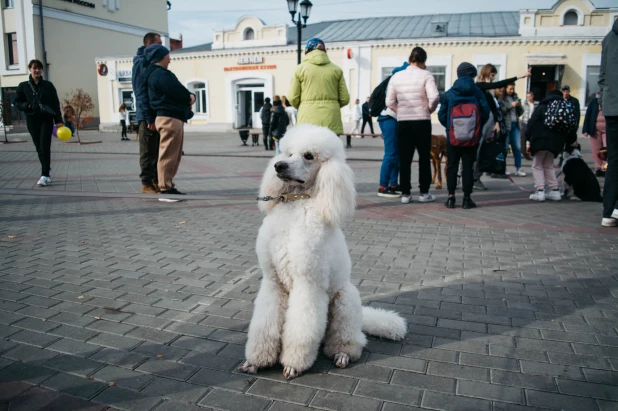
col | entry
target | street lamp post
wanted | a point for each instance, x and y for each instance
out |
(305, 11)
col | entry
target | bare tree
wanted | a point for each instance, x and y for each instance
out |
(82, 106)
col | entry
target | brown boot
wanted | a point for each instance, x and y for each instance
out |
(156, 186)
(148, 189)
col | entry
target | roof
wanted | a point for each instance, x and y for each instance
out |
(484, 24)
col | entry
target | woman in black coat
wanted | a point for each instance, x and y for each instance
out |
(39, 100)
(545, 145)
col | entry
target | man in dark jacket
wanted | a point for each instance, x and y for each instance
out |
(463, 87)
(545, 145)
(170, 108)
(367, 117)
(279, 122)
(147, 133)
(566, 94)
(608, 82)
(265, 117)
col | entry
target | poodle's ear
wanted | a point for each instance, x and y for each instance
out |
(334, 194)
(271, 185)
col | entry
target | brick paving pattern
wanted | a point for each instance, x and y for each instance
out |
(128, 303)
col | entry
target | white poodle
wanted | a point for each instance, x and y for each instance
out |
(306, 297)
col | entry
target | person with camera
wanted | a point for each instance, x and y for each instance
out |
(39, 100)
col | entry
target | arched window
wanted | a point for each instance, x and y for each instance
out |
(571, 18)
(200, 90)
(249, 34)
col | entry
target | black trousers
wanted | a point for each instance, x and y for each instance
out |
(467, 155)
(148, 153)
(40, 128)
(411, 136)
(123, 124)
(610, 189)
(367, 119)
(265, 133)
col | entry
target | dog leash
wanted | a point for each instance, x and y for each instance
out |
(284, 198)
(518, 186)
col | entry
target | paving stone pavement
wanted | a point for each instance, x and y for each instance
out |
(137, 305)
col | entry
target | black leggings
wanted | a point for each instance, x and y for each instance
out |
(123, 123)
(467, 155)
(40, 128)
(414, 135)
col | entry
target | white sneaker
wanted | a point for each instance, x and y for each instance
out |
(615, 213)
(48, 180)
(43, 181)
(520, 173)
(609, 222)
(553, 195)
(507, 173)
(405, 199)
(426, 198)
(538, 196)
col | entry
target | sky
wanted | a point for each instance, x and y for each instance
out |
(196, 19)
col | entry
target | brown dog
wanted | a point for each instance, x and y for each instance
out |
(438, 150)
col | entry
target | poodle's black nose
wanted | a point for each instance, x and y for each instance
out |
(281, 166)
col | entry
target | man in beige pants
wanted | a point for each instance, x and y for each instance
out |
(171, 103)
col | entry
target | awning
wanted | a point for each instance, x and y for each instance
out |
(546, 59)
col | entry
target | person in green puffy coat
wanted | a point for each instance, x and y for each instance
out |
(318, 89)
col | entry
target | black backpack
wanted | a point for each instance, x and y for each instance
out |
(377, 101)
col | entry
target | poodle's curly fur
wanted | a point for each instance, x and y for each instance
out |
(306, 297)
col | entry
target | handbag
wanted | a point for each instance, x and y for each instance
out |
(44, 108)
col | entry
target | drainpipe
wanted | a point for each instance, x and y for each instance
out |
(43, 41)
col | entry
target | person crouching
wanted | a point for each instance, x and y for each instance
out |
(171, 103)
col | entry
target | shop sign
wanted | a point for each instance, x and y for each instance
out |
(81, 3)
(125, 76)
(250, 60)
(241, 68)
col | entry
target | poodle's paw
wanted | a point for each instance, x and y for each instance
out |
(248, 368)
(342, 360)
(290, 373)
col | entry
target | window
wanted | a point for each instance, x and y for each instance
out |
(201, 97)
(8, 4)
(571, 18)
(249, 34)
(439, 74)
(592, 82)
(11, 40)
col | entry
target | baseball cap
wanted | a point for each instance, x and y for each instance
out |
(566, 87)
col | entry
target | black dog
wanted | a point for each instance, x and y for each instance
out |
(579, 178)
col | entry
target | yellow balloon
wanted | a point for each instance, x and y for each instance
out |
(64, 133)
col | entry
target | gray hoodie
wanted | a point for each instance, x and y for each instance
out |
(608, 76)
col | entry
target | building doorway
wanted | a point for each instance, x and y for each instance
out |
(249, 101)
(544, 79)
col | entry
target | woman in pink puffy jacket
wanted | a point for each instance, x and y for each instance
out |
(413, 95)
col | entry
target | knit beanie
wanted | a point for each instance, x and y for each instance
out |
(155, 53)
(314, 44)
(466, 70)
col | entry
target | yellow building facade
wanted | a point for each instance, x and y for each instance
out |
(74, 33)
(244, 64)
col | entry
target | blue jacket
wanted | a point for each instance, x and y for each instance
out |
(141, 98)
(463, 87)
(590, 121)
(168, 97)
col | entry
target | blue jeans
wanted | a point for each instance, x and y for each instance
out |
(389, 172)
(515, 141)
